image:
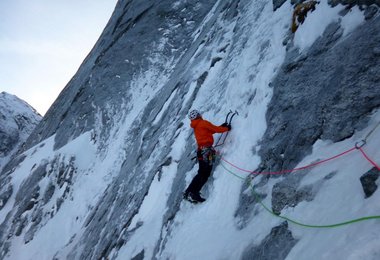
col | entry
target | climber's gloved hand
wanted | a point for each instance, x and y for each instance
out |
(226, 125)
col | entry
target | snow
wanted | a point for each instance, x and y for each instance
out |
(95, 169)
(167, 103)
(17, 119)
(240, 80)
(151, 215)
(153, 208)
(87, 187)
(338, 201)
(352, 20)
(67, 220)
(210, 229)
(213, 223)
(14, 105)
(317, 21)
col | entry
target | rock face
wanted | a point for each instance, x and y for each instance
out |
(17, 121)
(128, 46)
(368, 181)
(339, 97)
(275, 246)
(277, 4)
(354, 2)
(103, 174)
(146, 43)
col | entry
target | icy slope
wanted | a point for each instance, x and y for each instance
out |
(104, 173)
(17, 121)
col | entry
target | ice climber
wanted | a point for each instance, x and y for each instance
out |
(203, 131)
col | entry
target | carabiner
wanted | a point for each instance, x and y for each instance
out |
(360, 144)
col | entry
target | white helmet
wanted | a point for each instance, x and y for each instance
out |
(194, 114)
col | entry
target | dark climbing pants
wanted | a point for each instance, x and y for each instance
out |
(200, 179)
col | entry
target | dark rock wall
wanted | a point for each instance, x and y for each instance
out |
(354, 2)
(103, 84)
(126, 201)
(326, 93)
(275, 246)
(368, 181)
(123, 52)
(278, 3)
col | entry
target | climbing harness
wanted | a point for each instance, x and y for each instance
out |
(207, 155)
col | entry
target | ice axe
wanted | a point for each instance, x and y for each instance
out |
(229, 117)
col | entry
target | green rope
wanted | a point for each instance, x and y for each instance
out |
(372, 131)
(294, 221)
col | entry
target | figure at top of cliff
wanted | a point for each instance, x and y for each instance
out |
(300, 13)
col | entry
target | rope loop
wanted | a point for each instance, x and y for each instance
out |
(296, 222)
(358, 146)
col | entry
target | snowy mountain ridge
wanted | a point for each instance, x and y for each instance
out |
(17, 121)
(103, 174)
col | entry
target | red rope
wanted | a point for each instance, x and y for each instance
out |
(300, 168)
(369, 159)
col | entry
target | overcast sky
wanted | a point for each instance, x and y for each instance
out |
(43, 43)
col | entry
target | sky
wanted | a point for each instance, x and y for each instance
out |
(43, 43)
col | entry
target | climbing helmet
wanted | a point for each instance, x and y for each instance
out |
(194, 114)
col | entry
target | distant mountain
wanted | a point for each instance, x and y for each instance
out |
(17, 121)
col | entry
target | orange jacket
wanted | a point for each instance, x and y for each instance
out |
(204, 130)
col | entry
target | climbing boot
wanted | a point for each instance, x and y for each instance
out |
(194, 197)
